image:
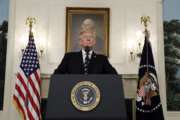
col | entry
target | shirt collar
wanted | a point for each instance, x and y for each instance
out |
(84, 53)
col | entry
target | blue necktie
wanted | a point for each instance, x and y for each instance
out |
(86, 63)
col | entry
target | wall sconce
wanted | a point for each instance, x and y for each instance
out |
(136, 52)
(40, 37)
(40, 46)
(39, 41)
(40, 52)
(135, 46)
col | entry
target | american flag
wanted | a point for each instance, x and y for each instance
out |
(27, 86)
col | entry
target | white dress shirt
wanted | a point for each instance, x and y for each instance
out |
(84, 54)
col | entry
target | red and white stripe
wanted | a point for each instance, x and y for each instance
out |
(27, 95)
(141, 91)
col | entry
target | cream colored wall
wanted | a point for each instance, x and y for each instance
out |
(50, 30)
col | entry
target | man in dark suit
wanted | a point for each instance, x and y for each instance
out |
(86, 61)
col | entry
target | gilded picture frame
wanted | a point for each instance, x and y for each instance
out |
(74, 18)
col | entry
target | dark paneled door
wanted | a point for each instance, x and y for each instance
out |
(3, 49)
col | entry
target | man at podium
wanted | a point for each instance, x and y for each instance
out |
(86, 97)
(86, 61)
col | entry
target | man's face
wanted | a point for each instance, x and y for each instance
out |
(87, 39)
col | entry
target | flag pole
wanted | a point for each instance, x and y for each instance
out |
(30, 21)
(27, 94)
(145, 20)
(148, 103)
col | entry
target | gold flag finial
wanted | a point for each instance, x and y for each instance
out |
(145, 20)
(30, 21)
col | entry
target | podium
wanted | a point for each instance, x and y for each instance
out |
(111, 105)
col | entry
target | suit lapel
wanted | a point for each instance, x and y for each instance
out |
(81, 62)
(92, 61)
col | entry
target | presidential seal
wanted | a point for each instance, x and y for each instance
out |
(85, 96)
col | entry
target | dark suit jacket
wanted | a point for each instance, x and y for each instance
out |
(72, 63)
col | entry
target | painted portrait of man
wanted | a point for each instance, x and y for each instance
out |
(99, 20)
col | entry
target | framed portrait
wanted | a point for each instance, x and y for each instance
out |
(74, 19)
